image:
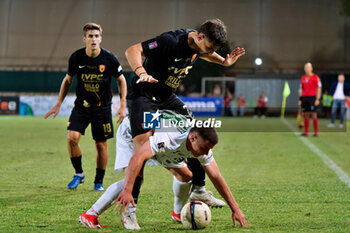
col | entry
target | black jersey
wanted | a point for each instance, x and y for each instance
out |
(168, 59)
(94, 77)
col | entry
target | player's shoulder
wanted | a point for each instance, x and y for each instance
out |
(315, 76)
(107, 53)
(173, 36)
(109, 56)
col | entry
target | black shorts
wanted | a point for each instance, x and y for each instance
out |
(141, 104)
(308, 103)
(100, 119)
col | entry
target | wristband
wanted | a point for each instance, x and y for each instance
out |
(141, 74)
(137, 68)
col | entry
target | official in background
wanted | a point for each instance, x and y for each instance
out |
(340, 91)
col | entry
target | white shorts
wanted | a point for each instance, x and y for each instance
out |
(124, 146)
(152, 162)
(125, 150)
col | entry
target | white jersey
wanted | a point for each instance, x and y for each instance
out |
(168, 148)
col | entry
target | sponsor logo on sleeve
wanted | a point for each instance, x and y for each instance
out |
(153, 45)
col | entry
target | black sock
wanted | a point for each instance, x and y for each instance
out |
(76, 162)
(137, 187)
(197, 170)
(99, 175)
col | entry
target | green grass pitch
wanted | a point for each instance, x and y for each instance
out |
(280, 185)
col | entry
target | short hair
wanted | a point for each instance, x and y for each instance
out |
(215, 31)
(92, 26)
(206, 133)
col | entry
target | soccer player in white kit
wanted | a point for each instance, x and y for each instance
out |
(168, 149)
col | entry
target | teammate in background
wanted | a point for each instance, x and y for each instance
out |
(94, 68)
(310, 98)
(168, 60)
(340, 91)
(168, 149)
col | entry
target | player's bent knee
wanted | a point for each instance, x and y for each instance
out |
(101, 145)
(73, 138)
(186, 177)
(141, 139)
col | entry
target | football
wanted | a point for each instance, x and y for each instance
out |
(195, 215)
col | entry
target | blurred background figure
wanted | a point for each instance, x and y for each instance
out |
(261, 106)
(340, 91)
(217, 90)
(227, 103)
(326, 104)
(181, 91)
(240, 105)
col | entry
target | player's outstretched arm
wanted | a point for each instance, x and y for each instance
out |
(65, 86)
(135, 165)
(229, 60)
(134, 56)
(122, 93)
(213, 172)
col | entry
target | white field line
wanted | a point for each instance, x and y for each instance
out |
(332, 165)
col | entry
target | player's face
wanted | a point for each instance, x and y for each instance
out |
(204, 46)
(199, 146)
(341, 78)
(93, 39)
(308, 68)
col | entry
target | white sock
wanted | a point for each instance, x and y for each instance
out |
(80, 174)
(91, 212)
(181, 193)
(131, 208)
(198, 188)
(105, 201)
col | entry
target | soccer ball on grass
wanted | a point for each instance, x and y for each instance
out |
(195, 215)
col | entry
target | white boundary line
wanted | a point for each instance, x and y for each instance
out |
(332, 165)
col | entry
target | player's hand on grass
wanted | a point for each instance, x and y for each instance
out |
(239, 216)
(233, 56)
(124, 199)
(55, 110)
(146, 78)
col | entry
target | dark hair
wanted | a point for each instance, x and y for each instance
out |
(215, 31)
(92, 26)
(207, 133)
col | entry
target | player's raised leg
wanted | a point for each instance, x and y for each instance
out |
(73, 138)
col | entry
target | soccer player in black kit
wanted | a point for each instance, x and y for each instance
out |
(94, 68)
(168, 59)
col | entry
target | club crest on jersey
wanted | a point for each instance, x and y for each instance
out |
(102, 68)
(153, 45)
